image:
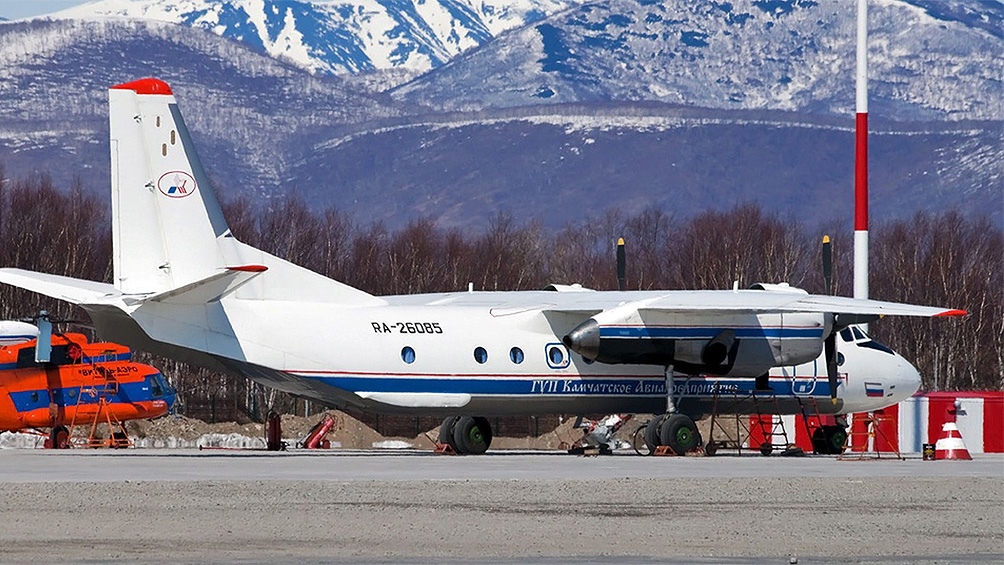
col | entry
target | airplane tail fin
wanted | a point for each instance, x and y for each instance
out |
(168, 230)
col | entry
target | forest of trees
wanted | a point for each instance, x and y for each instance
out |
(942, 259)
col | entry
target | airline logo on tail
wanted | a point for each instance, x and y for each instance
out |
(176, 184)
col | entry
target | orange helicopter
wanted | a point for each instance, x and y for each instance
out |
(60, 380)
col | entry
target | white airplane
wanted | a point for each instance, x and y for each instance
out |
(185, 288)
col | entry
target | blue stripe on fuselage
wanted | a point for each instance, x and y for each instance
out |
(589, 386)
(27, 400)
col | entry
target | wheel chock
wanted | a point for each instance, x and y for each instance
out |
(793, 451)
(444, 449)
(663, 451)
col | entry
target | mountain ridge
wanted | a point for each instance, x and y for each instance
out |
(340, 37)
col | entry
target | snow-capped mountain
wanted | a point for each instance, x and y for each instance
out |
(341, 36)
(793, 55)
(480, 135)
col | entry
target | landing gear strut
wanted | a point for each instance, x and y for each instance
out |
(467, 435)
(672, 429)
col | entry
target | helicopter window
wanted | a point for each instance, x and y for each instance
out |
(845, 334)
(516, 355)
(858, 334)
(72, 393)
(481, 355)
(34, 397)
(408, 355)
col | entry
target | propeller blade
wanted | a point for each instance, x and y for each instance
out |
(621, 265)
(831, 364)
(827, 265)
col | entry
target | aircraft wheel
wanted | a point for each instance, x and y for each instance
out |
(59, 437)
(472, 436)
(829, 440)
(766, 448)
(680, 433)
(710, 449)
(652, 439)
(446, 432)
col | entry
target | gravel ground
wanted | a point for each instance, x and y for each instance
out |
(746, 519)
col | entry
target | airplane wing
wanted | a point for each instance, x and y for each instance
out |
(844, 305)
(75, 291)
(745, 301)
(741, 332)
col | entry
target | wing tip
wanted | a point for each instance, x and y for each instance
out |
(948, 313)
(248, 268)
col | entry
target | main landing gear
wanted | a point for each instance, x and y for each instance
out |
(829, 440)
(59, 438)
(467, 435)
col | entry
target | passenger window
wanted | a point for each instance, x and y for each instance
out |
(34, 397)
(481, 355)
(408, 355)
(516, 355)
(556, 356)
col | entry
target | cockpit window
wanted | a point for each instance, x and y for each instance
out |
(858, 334)
(845, 334)
(872, 344)
(155, 389)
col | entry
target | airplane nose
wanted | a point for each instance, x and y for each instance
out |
(907, 380)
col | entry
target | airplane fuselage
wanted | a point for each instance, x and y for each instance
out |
(481, 353)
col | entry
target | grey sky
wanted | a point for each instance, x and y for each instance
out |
(17, 9)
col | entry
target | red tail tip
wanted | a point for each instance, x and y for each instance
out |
(249, 268)
(145, 86)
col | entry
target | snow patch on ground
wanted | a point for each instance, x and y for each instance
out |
(392, 444)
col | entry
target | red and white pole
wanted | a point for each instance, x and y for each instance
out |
(861, 159)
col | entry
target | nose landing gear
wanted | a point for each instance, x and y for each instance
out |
(467, 435)
(677, 431)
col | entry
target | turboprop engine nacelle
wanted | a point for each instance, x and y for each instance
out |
(736, 344)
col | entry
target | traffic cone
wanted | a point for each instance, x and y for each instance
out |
(950, 445)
